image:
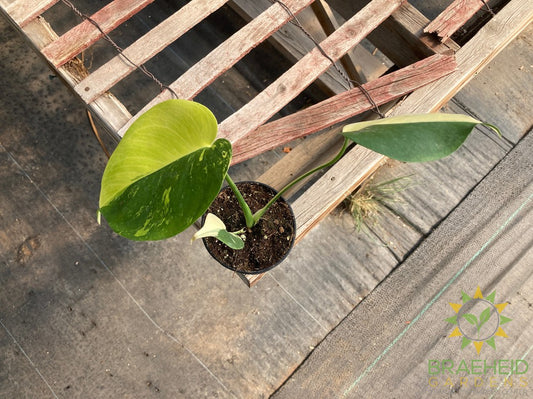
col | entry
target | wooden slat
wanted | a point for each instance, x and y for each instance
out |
(303, 73)
(227, 54)
(342, 106)
(329, 23)
(146, 47)
(290, 41)
(83, 35)
(24, 11)
(453, 17)
(319, 199)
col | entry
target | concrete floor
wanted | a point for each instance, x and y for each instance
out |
(85, 313)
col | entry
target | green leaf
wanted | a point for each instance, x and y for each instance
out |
(504, 320)
(414, 138)
(490, 342)
(470, 318)
(464, 296)
(165, 172)
(491, 297)
(484, 317)
(452, 319)
(214, 227)
(464, 343)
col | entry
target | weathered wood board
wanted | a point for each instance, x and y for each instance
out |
(451, 19)
(383, 348)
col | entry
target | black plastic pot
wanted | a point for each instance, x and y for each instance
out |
(267, 244)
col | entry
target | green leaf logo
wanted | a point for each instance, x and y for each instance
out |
(482, 329)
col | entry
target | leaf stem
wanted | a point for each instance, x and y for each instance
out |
(259, 214)
(244, 206)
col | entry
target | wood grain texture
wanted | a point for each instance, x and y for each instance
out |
(453, 17)
(483, 243)
(83, 35)
(146, 47)
(508, 83)
(24, 11)
(303, 73)
(342, 106)
(472, 57)
(232, 50)
(290, 41)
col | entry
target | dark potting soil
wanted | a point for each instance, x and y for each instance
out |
(266, 243)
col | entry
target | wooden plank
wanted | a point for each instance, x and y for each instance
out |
(83, 35)
(24, 11)
(508, 84)
(321, 198)
(486, 243)
(473, 56)
(342, 106)
(290, 41)
(470, 59)
(146, 47)
(303, 73)
(329, 23)
(453, 17)
(228, 53)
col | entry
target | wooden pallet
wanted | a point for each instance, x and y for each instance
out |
(425, 68)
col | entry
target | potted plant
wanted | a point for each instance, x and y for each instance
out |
(169, 167)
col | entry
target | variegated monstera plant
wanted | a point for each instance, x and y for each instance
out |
(170, 166)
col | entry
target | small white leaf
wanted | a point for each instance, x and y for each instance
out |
(212, 226)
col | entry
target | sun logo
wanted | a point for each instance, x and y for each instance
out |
(478, 320)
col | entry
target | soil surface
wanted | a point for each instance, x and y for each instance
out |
(265, 244)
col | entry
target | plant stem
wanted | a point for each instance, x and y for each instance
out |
(259, 214)
(244, 206)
